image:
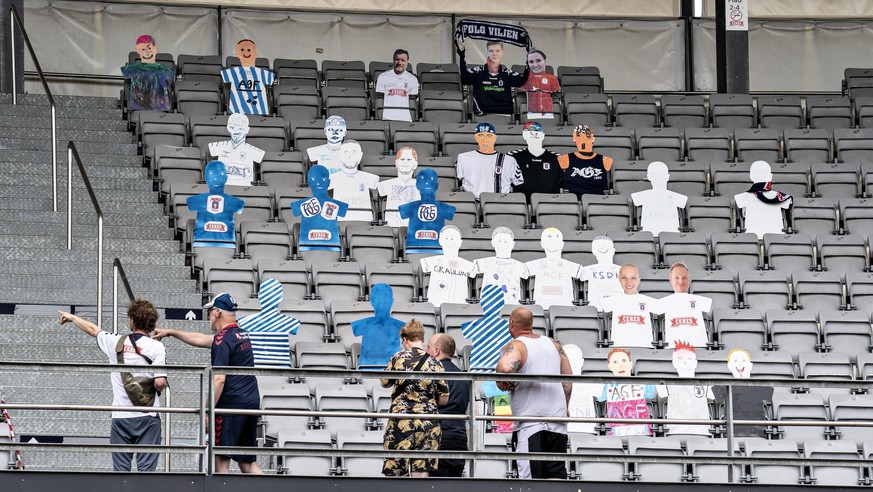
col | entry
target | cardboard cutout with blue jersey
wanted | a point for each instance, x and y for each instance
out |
(268, 330)
(380, 334)
(214, 226)
(248, 83)
(319, 230)
(426, 216)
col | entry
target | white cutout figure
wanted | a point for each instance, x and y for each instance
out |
(352, 186)
(401, 189)
(740, 364)
(582, 398)
(502, 270)
(449, 273)
(689, 402)
(397, 85)
(683, 312)
(601, 277)
(631, 311)
(328, 155)
(660, 205)
(761, 206)
(554, 275)
(238, 156)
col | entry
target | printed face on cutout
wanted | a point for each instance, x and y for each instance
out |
(401, 61)
(620, 364)
(318, 178)
(247, 52)
(147, 52)
(450, 240)
(680, 280)
(406, 163)
(536, 63)
(495, 54)
(629, 277)
(685, 361)
(486, 141)
(350, 155)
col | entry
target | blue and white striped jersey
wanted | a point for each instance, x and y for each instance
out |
(248, 89)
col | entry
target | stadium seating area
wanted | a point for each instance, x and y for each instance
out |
(796, 300)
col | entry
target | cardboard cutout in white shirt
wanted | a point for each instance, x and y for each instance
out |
(502, 269)
(401, 189)
(660, 205)
(582, 398)
(238, 156)
(631, 319)
(683, 318)
(761, 218)
(352, 186)
(689, 402)
(449, 273)
(328, 155)
(554, 275)
(602, 277)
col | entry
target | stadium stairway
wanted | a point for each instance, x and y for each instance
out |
(40, 275)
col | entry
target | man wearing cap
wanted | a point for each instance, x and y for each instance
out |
(486, 169)
(230, 347)
(539, 166)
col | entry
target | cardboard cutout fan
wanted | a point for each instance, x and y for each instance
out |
(328, 154)
(248, 83)
(686, 402)
(150, 82)
(502, 270)
(490, 333)
(553, 275)
(380, 334)
(269, 330)
(631, 312)
(582, 398)
(761, 205)
(626, 400)
(214, 225)
(427, 216)
(319, 230)
(352, 186)
(660, 205)
(237, 155)
(402, 189)
(449, 273)
(601, 278)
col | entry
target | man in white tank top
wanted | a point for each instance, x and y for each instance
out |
(529, 353)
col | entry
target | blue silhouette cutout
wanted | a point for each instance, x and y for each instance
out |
(380, 334)
(426, 216)
(214, 226)
(319, 230)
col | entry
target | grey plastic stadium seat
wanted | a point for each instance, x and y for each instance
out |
(807, 145)
(687, 247)
(848, 332)
(635, 110)
(856, 214)
(295, 102)
(484, 468)
(765, 289)
(282, 170)
(337, 73)
(200, 68)
(346, 398)
(562, 211)
(660, 144)
(504, 209)
(684, 111)
(610, 471)
(794, 331)
(265, 241)
(576, 325)
(781, 112)
(836, 180)
(860, 290)
(420, 135)
(301, 465)
(707, 446)
(234, 276)
(658, 446)
(710, 214)
(774, 474)
(638, 248)
(789, 252)
(607, 212)
(400, 276)
(834, 475)
(629, 177)
(442, 107)
(587, 109)
(709, 144)
(360, 440)
(814, 216)
(586, 80)
(740, 328)
(371, 244)
(452, 316)
(338, 281)
(160, 128)
(799, 406)
(852, 407)
(732, 111)
(286, 397)
(730, 178)
(439, 76)
(297, 73)
(615, 142)
(717, 285)
(350, 102)
(312, 316)
(176, 165)
(818, 291)
(758, 144)
(829, 112)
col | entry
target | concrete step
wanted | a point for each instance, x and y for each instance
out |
(62, 101)
(88, 282)
(88, 147)
(44, 122)
(135, 181)
(43, 169)
(87, 255)
(83, 203)
(104, 195)
(80, 218)
(63, 112)
(109, 244)
(89, 231)
(88, 159)
(87, 297)
(134, 272)
(65, 135)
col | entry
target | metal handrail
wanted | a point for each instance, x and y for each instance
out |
(73, 156)
(118, 271)
(15, 18)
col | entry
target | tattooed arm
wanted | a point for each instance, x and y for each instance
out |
(565, 369)
(511, 360)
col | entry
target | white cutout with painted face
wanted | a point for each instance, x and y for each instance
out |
(603, 249)
(238, 127)
(503, 242)
(335, 130)
(350, 155)
(740, 364)
(685, 362)
(552, 241)
(450, 240)
(620, 364)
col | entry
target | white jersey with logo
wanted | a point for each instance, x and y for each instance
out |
(239, 161)
(687, 403)
(553, 281)
(153, 349)
(397, 89)
(478, 173)
(660, 209)
(325, 156)
(602, 281)
(354, 190)
(683, 318)
(631, 319)
(761, 218)
(397, 191)
(448, 278)
(504, 272)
